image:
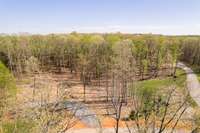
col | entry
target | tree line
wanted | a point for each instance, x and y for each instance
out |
(91, 55)
(191, 50)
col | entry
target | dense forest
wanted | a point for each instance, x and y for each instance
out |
(95, 53)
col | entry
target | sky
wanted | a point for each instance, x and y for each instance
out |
(169, 17)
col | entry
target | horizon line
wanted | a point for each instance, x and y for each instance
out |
(117, 32)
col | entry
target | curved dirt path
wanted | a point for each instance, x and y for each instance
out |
(80, 111)
(85, 115)
(192, 82)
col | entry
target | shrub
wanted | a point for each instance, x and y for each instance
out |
(17, 126)
(7, 87)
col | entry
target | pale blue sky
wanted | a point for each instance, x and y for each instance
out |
(128, 16)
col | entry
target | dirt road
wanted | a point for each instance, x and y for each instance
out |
(192, 82)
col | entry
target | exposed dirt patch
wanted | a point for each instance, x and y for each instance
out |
(49, 87)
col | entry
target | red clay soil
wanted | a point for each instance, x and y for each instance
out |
(108, 122)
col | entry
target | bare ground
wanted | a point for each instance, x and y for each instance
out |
(50, 87)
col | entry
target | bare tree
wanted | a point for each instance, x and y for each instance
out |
(157, 110)
(51, 115)
(122, 74)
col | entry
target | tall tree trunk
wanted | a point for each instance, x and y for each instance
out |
(117, 125)
(175, 69)
(107, 94)
(84, 91)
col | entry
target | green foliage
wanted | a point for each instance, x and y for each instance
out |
(148, 99)
(164, 82)
(149, 106)
(150, 52)
(7, 88)
(151, 97)
(190, 50)
(196, 70)
(7, 82)
(17, 126)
